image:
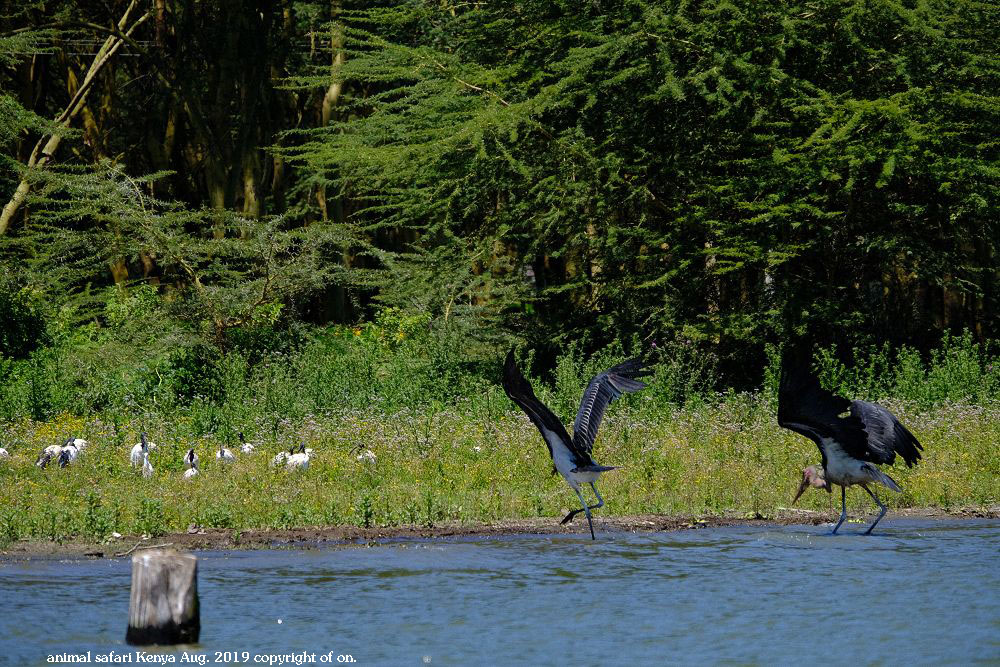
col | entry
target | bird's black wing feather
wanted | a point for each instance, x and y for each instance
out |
(808, 409)
(602, 390)
(519, 390)
(886, 436)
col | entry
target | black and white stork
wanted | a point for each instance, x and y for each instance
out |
(852, 436)
(572, 456)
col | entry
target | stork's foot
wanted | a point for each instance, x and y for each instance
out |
(569, 517)
(872, 527)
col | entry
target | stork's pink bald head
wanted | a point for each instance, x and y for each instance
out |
(812, 476)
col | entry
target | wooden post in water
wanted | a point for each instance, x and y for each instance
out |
(163, 606)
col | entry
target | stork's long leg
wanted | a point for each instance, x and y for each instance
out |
(881, 511)
(586, 509)
(600, 501)
(843, 512)
(573, 513)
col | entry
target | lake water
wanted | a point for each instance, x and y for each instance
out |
(918, 592)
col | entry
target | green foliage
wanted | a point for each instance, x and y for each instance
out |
(216, 516)
(151, 520)
(131, 309)
(724, 172)
(959, 371)
(15, 119)
(22, 320)
(192, 372)
(98, 521)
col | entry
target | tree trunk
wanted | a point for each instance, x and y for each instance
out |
(163, 604)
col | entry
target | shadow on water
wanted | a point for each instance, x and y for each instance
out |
(918, 591)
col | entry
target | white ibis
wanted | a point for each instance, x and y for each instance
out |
(144, 447)
(69, 453)
(136, 456)
(298, 460)
(245, 447)
(191, 459)
(280, 458)
(224, 455)
(852, 437)
(147, 467)
(4, 454)
(51, 452)
(572, 456)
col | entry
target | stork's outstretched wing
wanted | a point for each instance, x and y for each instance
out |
(886, 436)
(519, 390)
(602, 390)
(808, 409)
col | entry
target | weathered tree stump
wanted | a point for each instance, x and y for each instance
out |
(163, 606)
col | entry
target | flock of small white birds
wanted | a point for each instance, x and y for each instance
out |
(63, 454)
(292, 459)
(66, 453)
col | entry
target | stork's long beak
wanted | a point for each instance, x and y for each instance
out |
(802, 487)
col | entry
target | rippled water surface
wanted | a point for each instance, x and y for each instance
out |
(925, 592)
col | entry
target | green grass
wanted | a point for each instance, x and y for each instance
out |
(723, 455)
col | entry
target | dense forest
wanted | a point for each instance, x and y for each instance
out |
(187, 183)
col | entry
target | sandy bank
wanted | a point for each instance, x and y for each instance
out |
(219, 539)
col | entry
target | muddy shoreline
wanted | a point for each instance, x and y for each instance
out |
(222, 539)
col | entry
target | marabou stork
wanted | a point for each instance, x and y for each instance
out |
(852, 436)
(572, 456)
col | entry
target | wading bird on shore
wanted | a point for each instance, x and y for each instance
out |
(298, 460)
(144, 447)
(147, 467)
(245, 447)
(191, 459)
(51, 452)
(136, 456)
(224, 455)
(852, 437)
(69, 453)
(280, 458)
(572, 456)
